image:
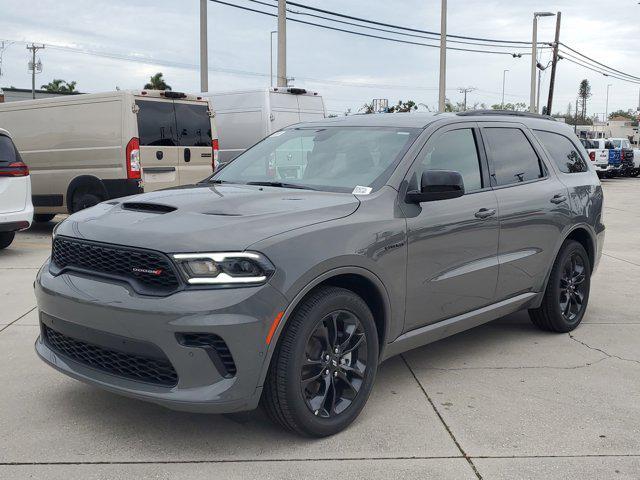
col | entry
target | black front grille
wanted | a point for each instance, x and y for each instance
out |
(157, 371)
(148, 272)
(215, 347)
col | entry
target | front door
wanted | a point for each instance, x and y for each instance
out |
(452, 263)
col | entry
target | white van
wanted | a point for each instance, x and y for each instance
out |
(84, 149)
(244, 118)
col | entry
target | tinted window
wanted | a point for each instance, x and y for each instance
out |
(456, 150)
(156, 123)
(194, 125)
(514, 159)
(327, 158)
(8, 153)
(563, 152)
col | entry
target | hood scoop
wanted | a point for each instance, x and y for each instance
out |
(148, 207)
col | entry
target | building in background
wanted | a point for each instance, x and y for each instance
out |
(11, 94)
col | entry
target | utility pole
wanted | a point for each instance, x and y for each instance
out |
(606, 113)
(204, 57)
(33, 67)
(271, 57)
(465, 91)
(443, 56)
(554, 62)
(534, 58)
(282, 43)
(504, 73)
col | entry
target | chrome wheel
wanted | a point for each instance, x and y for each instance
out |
(335, 364)
(572, 287)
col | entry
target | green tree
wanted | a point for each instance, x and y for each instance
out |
(514, 107)
(402, 107)
(584, 92)
(367, 108)
(58, 85)
(156, 82)
(621, 113)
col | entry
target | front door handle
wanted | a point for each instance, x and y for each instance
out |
(485, 213)
(559, 198)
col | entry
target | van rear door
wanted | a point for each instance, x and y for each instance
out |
(194, 141)
(158, 142)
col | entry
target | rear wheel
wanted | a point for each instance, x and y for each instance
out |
(6, 238)
(567, 293)
(83, 199)
(43, 217)
(325, 364)
(635, 172)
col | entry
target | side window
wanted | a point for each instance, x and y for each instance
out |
(563, 152)
(514, 159)
(456, 150)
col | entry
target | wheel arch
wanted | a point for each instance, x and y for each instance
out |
(93, 183)
(357, 279)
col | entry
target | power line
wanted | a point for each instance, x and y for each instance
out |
(514, 54)
(433, 35)
(401, 27)
(596, 68)
(599, 71)
(597, 62)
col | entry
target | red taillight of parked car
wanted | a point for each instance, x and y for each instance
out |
(592, 156)
(14, 169)
(215, 149)
(134, 169)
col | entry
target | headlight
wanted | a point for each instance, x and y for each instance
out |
(224, 268)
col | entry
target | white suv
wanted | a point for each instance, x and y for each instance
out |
(16, 209)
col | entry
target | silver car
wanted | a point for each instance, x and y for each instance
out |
(288, 287)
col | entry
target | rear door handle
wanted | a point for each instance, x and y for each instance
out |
(559, 198)
(187, 155)
(485, 213)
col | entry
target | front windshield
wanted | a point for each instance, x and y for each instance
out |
(322, 158)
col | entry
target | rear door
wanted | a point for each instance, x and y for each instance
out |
(158, 143)
(533, 206)
(284, 110)
(194, 141)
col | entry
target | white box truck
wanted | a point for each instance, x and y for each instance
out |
(243, 118)
(84, 149)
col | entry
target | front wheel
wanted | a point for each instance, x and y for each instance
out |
(567, 293)
(325, 364)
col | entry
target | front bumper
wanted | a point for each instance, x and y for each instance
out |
(240, 316)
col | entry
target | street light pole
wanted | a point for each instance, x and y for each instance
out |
(271, 57)
(504, 73)
(606, 108)
(443, 56)
(204, 60)
(282, 43)
(534, 58)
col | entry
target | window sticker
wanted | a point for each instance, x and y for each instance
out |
(361, 190)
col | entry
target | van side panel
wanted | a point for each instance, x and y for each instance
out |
(62, 141)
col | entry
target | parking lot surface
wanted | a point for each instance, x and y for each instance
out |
(502, 401)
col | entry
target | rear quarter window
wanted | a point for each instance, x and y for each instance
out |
(563, 152)
(8, 151)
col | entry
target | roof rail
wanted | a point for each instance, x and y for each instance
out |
(512, 113)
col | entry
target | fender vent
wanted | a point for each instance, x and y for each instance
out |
(148, 207)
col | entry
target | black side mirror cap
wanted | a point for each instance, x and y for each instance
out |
(437, 185)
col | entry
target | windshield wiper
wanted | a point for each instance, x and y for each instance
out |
(281, 185)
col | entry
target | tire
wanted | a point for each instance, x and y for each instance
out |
(635, 172)
(553, 315)
(312, 410)
(82, 200)
(6, 238)
(43, 217)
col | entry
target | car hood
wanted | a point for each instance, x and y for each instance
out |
(206, 218)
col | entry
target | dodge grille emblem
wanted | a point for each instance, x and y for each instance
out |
(157, 271)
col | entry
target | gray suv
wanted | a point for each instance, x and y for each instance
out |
(289, 275)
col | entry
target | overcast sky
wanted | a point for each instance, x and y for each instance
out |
(347, 70)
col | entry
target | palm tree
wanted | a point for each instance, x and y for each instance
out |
(157, 83)
(57, 85)
(584, 92)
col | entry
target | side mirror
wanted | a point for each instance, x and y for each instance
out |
(437, 185)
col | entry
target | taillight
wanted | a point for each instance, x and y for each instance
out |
(592, 156)
(133, 159)
(14, 169)
(215, 147)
